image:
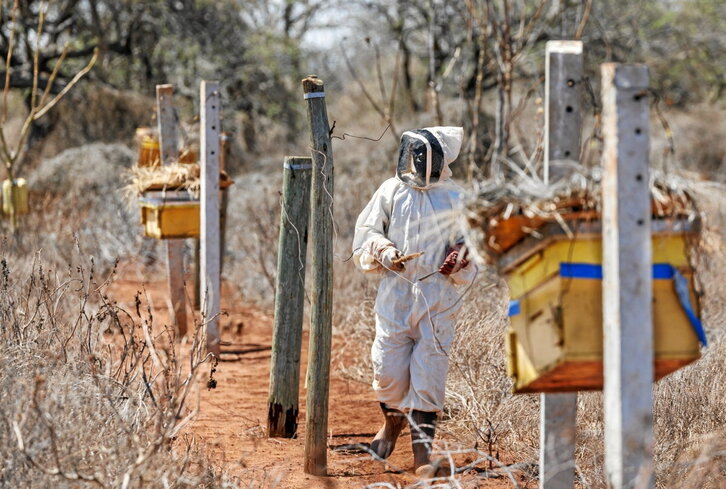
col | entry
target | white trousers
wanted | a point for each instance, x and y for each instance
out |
(410, 361)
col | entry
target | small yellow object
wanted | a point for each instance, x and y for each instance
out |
(170, 219)
(149, 154)
(555, 339)
(17, 193)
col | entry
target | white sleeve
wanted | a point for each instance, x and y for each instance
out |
(371, 230)
(465, 275)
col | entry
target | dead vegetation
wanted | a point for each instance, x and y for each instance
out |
(94, 395)
(481, 413)
(55, 399)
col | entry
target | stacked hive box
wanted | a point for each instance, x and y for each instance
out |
(165, 214)
(16, 193)
(168, 218)
(555, 338)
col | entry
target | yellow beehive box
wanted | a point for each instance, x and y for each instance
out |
(149, 154)
(149, 150)
(555, 338)
(169, 219)
(17, 193)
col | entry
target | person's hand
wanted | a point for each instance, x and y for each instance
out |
(452, 263)
(388, 259)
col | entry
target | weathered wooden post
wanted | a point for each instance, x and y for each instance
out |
(225, 140)
(289, 298)
(558, 411)
(197, 282)
(627, 278)
(321, 210)
(168, 144)
(563, 114)
(209, 211)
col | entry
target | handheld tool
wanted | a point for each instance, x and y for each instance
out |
(407, 258)
(459, 243)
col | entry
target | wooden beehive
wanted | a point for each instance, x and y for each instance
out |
(165, 218)
(555, 338)
(149, 153)
(15, 192)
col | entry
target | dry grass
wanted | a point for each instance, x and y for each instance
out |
(46, 395)
(481, 414)
(93, 395)
(171, 176)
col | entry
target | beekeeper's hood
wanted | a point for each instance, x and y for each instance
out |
(426, 153)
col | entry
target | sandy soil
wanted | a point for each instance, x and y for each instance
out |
(233, 417)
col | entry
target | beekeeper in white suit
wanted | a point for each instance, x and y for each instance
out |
(415, 211)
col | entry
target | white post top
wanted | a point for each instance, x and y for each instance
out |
(634, 76)
(566, 47)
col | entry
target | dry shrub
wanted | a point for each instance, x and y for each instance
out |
(77, 194)
(93, 395)
(698, 139)
(253, 219)
(481, 415)
(94, 114)
(480, 410)
(689, 405)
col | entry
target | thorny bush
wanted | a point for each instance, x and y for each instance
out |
(93, 395)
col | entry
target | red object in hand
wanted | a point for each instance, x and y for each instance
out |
(452, 264)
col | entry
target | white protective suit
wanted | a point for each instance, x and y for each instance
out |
(415, 320)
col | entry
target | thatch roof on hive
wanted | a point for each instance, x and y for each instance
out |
(500, 214)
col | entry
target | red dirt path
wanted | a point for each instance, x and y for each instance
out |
(232, 418)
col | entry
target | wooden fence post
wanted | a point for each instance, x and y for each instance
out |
(197, 306)
(168, 144)
(563, 119)
(558, 412)
(627, 278)
(289, 298)
(209, 211)
(225, 139)
(321, 211)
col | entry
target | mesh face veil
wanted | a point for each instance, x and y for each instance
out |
(420, 160)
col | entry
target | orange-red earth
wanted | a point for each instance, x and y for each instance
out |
(232, 419)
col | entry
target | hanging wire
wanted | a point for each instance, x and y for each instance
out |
(345, 134)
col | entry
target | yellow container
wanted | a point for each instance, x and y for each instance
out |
(149, 150)
(555, 340)
(149, 154)
(168, 219)
(17, 193)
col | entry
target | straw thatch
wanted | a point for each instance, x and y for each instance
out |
(175, 176)
(500, 214)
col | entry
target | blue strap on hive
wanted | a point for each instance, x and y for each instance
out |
(661, 271)
(684, 297)
(581, 270)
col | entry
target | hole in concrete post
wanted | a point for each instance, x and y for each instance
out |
(638, 130)
(568, 108)
(641, 222)
(637, 97)
(639, 177)
(567, 153)
(570, 82)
